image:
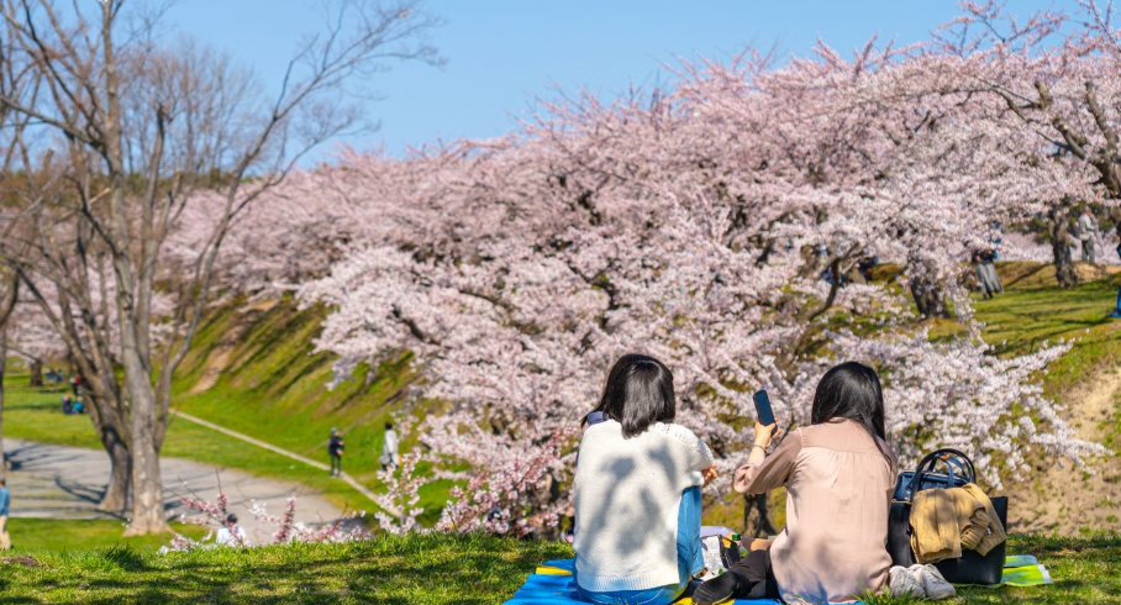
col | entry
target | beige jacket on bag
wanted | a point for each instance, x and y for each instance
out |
(946, 521)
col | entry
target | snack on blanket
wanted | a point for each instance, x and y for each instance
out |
(720, 553)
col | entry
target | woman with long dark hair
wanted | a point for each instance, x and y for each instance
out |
(637, 491)
(839, 474)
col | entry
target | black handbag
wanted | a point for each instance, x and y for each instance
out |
(971, 568)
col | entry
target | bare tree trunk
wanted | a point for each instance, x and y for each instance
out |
(147, 488)
(757, 516)
(116, 498)
(36, 368)
(929, 298)
(1058, 229)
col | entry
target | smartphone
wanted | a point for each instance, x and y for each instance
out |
(763, 410)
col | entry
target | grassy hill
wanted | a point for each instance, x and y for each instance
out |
(253, 370)
(430, 569)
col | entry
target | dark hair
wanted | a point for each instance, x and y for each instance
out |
(388, 426)
(231, 519)
(638, 393)
(851, 390)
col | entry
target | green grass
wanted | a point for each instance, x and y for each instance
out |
(41, 536)
(1033, 313)
(272, 388)
(413, 571)
(36, 415)
(432, 569)
(1084, 571)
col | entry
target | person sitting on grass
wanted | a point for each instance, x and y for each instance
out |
(637, 491)
(231, 534)
(67, 405)
(5, 505)
(839, 474)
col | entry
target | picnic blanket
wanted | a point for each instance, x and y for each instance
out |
(553, 584)
(1024, 570)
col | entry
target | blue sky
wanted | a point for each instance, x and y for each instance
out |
(503, 54)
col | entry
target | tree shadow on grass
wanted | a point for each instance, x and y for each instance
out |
(463, 570)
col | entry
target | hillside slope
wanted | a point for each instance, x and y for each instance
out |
(253, 369)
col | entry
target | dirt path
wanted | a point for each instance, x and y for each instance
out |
(1066, 499)
(61, 482)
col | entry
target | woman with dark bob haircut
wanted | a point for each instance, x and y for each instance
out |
(637, 491)
(839, 474)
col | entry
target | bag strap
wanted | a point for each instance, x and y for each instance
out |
(952, 458)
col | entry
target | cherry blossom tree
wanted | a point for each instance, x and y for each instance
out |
(721, 226)
(523, 266)
(1049, 82)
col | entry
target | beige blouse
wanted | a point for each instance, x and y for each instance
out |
(839, 483)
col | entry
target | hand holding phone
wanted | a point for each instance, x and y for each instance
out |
(763, 411)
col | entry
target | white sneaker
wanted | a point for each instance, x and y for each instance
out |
(904, 582)
(934, 585)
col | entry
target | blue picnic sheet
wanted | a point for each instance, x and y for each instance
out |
(553, 584)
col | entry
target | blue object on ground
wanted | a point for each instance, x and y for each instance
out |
(556, 586)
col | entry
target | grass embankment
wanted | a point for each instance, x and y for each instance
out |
(1034, 312)
(430, 569)
(252, 369)
(41, 536)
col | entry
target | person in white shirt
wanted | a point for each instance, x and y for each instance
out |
(389, 448)
(1088, 232)
(637, 491)
(231, 534)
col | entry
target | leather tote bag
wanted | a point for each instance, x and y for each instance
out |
(971, 568)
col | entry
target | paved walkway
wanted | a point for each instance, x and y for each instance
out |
(66, 482)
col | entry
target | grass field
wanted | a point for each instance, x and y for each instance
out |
(36, 415)
(1033, 313)
(271, 387)
(40, 536)
(428, 569)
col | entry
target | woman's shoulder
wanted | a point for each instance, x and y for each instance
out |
(675, 431)
(842, 435)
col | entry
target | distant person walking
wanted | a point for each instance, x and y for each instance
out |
(76, 383)
(5, 504)
(389, 448)
(231, 534)
(987, 276)
(335, 447)
(1087, 233)
(1117, 310)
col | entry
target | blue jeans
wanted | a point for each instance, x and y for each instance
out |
(690, 560)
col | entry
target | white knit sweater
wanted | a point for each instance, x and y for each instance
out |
(627, 496)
